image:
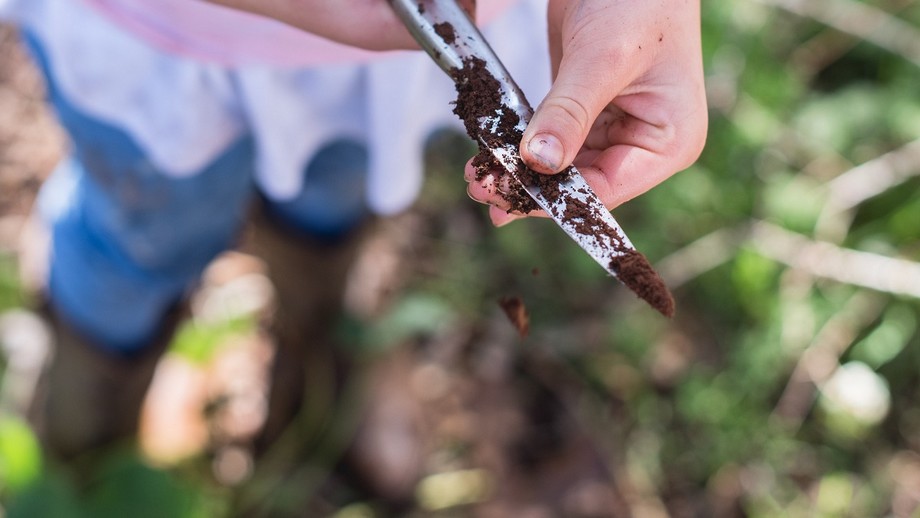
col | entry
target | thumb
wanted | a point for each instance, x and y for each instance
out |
(582, 89)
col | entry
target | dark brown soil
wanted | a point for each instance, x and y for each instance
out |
(446, 31)
(478, 96)
(517, 313)
(634, 270)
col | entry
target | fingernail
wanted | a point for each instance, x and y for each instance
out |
(547, 150)
(469, 193)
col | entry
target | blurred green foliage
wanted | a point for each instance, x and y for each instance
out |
(20, 456)
(198, 342)
(11, 294)
(123, 486)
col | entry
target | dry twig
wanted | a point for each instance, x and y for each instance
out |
(863, 182)
(826, 260)
(861, 20)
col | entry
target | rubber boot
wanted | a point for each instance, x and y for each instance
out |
(87, 399)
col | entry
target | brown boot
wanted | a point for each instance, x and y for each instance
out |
(88, 399)
(309, 279)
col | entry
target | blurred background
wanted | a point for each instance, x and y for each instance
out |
(788, 383)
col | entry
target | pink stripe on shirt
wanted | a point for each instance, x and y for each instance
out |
(200, 30)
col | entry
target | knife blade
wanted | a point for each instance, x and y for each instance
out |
(498, 119)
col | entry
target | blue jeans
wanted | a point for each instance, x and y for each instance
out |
(129, 242)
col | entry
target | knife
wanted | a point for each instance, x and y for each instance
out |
(496, 112)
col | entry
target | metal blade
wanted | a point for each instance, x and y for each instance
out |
(575, 208)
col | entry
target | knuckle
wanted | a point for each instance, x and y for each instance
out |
(694, 138)
(573, 109)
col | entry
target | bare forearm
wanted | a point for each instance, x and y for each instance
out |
(368, 24)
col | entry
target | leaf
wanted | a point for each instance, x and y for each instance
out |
(20, 455)
(49, 496)
(128, 487)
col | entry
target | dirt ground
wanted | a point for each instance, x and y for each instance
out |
(461, 420)
(30, 140)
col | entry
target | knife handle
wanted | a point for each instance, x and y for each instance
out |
(447, 33)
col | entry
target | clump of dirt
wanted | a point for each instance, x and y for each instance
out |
(634, 270)
(479, 96)
(446, 31)
(517, 313)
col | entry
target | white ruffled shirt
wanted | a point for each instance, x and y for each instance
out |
(216, 34)
(186, 103)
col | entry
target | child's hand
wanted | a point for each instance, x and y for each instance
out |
(627, 105)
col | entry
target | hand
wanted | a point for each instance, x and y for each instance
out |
(627, 105)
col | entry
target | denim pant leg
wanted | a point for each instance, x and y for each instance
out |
(333, 200)
(128, 241)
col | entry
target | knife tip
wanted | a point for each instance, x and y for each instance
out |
(634, 271)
